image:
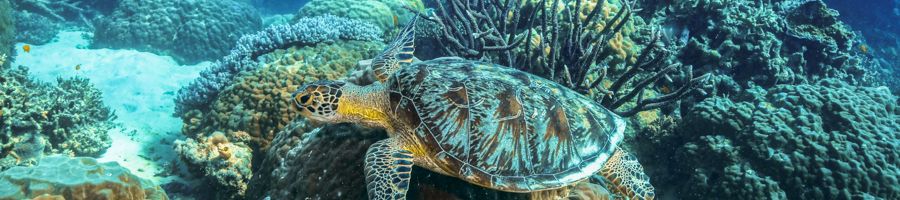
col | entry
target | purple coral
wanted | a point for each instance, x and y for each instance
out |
(307, 31)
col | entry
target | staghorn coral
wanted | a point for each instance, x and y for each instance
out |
(217, 158)
(35, 29)
(827, 140)
(378, 12)
(35, 118)
(189, 31)
(61, 177)
(307, 31)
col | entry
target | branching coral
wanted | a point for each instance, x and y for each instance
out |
(70, 116)
(576, 44)
(35, 29)
(323, 29)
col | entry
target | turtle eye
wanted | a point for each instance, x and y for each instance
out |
(304, 99)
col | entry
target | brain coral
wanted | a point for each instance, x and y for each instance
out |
(823, 141)
(767, 43)
(37, 118)
(61, 177)
(378, 12)
(189, 31)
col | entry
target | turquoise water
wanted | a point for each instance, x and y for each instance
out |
(449, 99)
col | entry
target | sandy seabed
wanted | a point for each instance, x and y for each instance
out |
(139, 86)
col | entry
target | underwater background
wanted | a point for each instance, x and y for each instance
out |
(191, 99)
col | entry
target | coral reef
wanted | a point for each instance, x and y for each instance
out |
(37, 118)
(387, 14)
(322, 29)
(61, 177)
(218, 158)
(189, 31)
(255, 107)
(766, 43)
(828, 140)
(7, 32)
(35, 29)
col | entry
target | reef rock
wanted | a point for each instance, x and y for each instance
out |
(767, 43)
(189, 31)
(36, 118)
(61, 177)
(811, 141)
(7, 32)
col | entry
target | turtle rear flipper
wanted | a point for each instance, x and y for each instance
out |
(388, 169)
(626, 176)
(397, 54)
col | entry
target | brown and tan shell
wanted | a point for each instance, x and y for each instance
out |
(502, 128)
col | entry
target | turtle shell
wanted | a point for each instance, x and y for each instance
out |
(502, 128)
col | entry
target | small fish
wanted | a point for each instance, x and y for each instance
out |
(864, 48)
(27, 48)
(77, 67)
(396, 20)
(665, 89)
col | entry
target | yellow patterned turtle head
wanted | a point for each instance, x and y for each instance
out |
(338, 102)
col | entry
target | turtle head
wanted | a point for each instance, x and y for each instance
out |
(338, 102)
(318, 101)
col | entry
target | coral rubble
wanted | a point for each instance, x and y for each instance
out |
(38, 118)
(828, 140)
(189, 31)
(61, 177)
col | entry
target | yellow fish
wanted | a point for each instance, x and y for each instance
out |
(864, 48)
(396, 20)
(26, 48)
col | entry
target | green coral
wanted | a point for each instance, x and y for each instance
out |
(36, 118)
(810, 141)
(7, 32)
(61, 177)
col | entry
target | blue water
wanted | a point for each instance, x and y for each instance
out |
(355, 99)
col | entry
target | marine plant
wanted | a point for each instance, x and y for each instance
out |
(575, 44)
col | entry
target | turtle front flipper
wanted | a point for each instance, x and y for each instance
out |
(626, 176)
(388, 169)
(397, 54)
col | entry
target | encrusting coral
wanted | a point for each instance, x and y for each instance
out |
(62, 177)
(189, 31)
(387, 14)
(828, 140)
(36, 118)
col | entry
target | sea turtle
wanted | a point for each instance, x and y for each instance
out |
(490, 125)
